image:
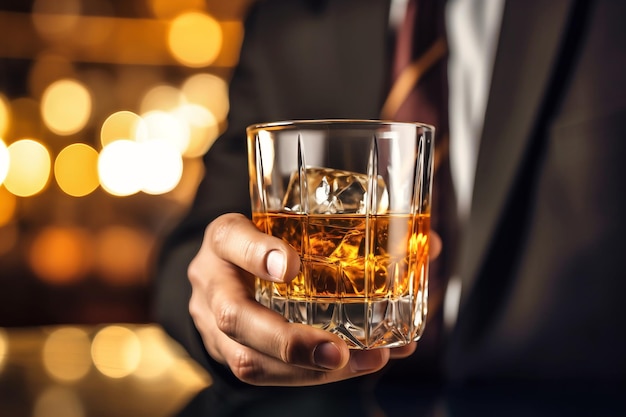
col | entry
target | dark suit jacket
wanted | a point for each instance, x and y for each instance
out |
(543, 256)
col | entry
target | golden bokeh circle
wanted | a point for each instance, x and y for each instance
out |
(61, 255)
(66, 106)
(66, 354)
(29, 169)
(76, 169)
(195, 39)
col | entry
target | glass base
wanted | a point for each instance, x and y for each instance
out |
(362, 323)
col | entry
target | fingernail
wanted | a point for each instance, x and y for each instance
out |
(366, 360)
(327, 355)
(275, 264)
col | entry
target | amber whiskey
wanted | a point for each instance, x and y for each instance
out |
(360, 274)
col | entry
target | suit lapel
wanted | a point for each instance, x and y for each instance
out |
(531, 35)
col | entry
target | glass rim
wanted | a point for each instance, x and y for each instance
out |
(326, 122)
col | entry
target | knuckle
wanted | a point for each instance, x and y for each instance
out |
(285, 348)
(249, 251)
(194, 272)
(226, 318)
(220, 235)
(291, 351)
(219, 229)
(245, 367)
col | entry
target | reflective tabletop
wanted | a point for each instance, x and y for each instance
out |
(137, 370)
(109, 370)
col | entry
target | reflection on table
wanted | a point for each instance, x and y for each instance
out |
(110, 370)
(137, 370)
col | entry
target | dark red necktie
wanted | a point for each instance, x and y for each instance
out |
(419, 94)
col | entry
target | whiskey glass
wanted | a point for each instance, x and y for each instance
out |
(353, 198)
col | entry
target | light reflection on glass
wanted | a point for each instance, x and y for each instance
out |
(66, 354)
(58, 401)
(116, 351)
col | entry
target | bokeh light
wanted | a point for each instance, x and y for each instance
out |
(122, 125)
(209, 91)
(166, 126)
(190, 374)
(122, 255)
(195, 39)
(203, 128)
(167, 9)
(29, 170)
(61, 255)
(57, 401)
(8, 205)
(47, 68)
(119, 168)
(76, 169)
(55, 19)
(110, 95)
(66, 354)
(185, 191)
(5, 116)
(156, 357)
(4, 347)
(66, 106)
(9, 234)
(116, 351)
(25, 118)
(4, 161)
(95, 26)
(161, 97)
(162, 166)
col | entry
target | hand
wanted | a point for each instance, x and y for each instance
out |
(258, 345)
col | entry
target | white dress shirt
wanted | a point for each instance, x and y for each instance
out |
(472, 28)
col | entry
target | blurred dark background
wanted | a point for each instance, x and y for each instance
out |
(106, 107)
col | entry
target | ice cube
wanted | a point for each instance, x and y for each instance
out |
(331, 191)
